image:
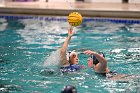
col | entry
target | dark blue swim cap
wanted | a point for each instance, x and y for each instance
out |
(95, 60)
(69, 89)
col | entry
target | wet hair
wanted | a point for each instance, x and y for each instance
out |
(69, 89)
(95, 60)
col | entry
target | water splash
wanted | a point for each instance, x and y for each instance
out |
(52, 64)
(53, 59)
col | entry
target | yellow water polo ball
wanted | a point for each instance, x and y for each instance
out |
(75, 19)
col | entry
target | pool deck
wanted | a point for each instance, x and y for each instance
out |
(115, 10)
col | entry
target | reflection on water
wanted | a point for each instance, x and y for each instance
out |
(26, 45)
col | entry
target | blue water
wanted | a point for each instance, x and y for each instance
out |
(25, 45)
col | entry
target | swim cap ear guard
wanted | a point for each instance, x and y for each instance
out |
(95, 60)
(101, 53)
(69, 89)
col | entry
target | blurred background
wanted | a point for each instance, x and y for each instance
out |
(102, 1)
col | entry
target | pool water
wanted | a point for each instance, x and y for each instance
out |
(26, 43)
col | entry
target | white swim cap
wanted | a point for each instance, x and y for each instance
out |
(70, 53)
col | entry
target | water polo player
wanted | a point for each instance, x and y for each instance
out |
(69, 61)
(98, 62)
(69, 89)
(72, 58)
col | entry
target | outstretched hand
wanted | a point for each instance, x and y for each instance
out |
(88, 52)
(70, 32)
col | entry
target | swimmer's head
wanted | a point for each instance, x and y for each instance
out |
(69, 89)
(72, 57)
(94, 60)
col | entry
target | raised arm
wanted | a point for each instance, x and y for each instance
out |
(65, 46)
(70, 34)
(101, 67)
(100, 58)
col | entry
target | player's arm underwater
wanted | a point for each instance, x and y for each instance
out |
(63, 50)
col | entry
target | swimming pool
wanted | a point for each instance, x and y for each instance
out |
(27, 41)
